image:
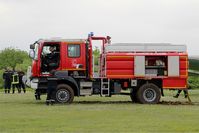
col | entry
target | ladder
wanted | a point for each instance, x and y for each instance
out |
(105, 87)
(102, 65)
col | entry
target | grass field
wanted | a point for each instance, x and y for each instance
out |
(21, 113)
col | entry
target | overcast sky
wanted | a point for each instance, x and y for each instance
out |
(170, 21)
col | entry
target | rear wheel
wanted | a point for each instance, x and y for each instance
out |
(64, 94)
(149, 94)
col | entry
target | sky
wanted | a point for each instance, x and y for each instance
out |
(22, 22)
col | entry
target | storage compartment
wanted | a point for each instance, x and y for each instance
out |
(117, 88)
(151, 72)
(156, 66)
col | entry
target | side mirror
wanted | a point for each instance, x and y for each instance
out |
(32, 54)
(79, 66)
(32, 46)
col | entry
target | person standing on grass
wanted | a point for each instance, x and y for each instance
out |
(21, 84)
(15, 82)
(7, 80)
(50, 90)
(24, 80)
(178, 93)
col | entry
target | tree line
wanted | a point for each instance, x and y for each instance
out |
(14, 59)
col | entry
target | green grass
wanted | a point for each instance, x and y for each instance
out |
(21, 113)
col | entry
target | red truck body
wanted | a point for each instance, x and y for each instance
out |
(121, 65)
(144, 69)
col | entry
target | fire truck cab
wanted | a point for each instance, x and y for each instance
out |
(70, 67)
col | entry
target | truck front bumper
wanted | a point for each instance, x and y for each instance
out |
(34, 83)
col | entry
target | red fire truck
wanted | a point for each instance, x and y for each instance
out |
(141, 70)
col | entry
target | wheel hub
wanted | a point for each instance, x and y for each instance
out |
(62, 96)
(149, 95)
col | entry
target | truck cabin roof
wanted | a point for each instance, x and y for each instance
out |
(63, 40)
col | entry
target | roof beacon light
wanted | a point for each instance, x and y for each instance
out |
(90, 34)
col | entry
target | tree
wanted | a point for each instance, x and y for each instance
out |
(14, 58)
(96, 54)
(10, 57)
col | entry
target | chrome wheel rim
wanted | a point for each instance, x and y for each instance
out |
(62, 96)
(149, 95)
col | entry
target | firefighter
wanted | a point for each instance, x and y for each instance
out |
(178, 93)
(21, 84)
(52, 84)
(52, 58)
(50, 92)
(15, 82)
(7, 80)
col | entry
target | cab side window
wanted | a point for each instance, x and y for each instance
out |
(73, 50)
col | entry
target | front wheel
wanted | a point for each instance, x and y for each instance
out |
(149, 94)
(64, 94)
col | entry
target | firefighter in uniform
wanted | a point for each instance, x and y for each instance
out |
(178, 93)
(50, 91)
(52, 63)
(52, 59)
(21, 84)
(15, 82)
(7, 80)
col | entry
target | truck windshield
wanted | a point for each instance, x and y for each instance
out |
(36, 51)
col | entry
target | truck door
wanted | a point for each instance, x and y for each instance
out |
(75, 59)
(50, 57)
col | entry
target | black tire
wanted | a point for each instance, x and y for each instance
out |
(149, 94)
(133, 96)
(64, 94)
